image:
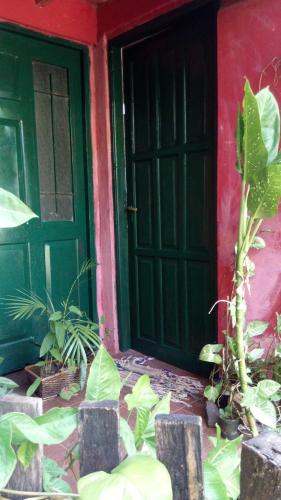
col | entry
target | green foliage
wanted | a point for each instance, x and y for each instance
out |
(222, 469)
(212, 392)
(210, 353)
(6, 386)
(260, 401)
(104, 383)
(34, 386)
(23, 433)
(136, 478)
(13, 212)
(72, 336)
(104, 380)
(52, 477)
(258, 163)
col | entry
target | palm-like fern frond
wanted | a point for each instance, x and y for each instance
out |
(24, 305)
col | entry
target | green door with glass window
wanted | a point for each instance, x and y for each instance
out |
(42, 160)
(170, 106)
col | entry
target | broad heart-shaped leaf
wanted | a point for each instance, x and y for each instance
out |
(267, 388)
(13, 212)
(210, 354)
(265, 413)
(255, 328)
(51, 428)
(265, 192)
(212, 392)
(104, 382)
(270, 122)
(8, 459)
(140, 477)
(142, 395)
(255, 152)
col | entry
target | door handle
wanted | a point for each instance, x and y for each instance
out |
(131, 209)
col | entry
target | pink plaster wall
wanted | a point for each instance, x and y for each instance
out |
(72, 19)
(249, 38)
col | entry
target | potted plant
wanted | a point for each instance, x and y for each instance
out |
(71, 338)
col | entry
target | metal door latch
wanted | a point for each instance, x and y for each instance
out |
(131, 209)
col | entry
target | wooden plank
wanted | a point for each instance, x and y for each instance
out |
(261, 467)
(30, 479)
(99, 436)
(179, 447)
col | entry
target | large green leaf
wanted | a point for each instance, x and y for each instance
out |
(265, 192)
(140, 477)
(264, 412)
(13, 212)
(255, 152)
(104, 382)
(268, 388)
(8, 457)
(270, 122)
(51, 428)
(142, 395)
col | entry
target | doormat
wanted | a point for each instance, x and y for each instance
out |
(184, 389)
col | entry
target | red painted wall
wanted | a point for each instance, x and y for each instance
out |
(122, 15)
(72, 19)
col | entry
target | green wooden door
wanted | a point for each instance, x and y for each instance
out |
(42, 160)
(170, 119)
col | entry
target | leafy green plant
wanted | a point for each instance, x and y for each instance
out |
(71, 337)
(259, 166)
(104, 383)
(222, 469)
(136, 478)
(20, 436)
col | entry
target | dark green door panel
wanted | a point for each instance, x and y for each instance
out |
(169, 82)
(42, 160)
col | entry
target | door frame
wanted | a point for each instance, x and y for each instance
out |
(87, 144)
(115, 50)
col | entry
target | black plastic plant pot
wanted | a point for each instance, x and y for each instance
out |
(229, 427)
(212, 413)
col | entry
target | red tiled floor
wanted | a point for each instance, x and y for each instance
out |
(58, 452)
